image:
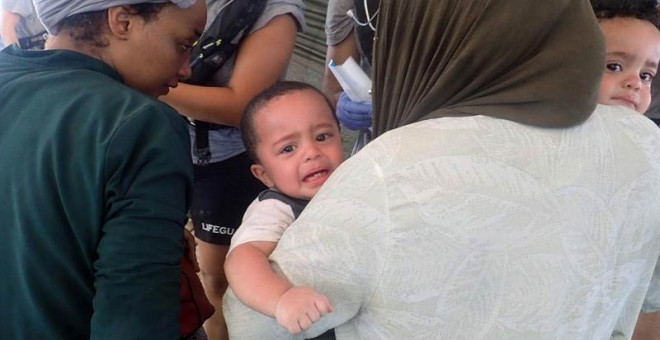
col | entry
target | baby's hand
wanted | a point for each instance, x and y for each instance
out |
(299, 307)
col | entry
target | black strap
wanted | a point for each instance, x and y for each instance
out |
(201, 148)
(36, 41)
(365, 34)
(217, 45)
(297, 205)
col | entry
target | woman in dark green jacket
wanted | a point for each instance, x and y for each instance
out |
(95, 172)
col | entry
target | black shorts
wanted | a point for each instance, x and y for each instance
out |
(222, 192)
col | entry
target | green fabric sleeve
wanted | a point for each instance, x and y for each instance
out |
(148, 176)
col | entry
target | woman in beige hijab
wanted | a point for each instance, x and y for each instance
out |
(495, 203)
(527, 61)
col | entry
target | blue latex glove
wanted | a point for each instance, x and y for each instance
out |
(353, 115)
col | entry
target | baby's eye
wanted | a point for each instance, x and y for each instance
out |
(646, 77)
(288, 149)
(614, 67)
(322, 137)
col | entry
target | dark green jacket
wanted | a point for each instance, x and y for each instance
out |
(94, 183)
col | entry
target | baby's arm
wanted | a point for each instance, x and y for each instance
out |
(256, 285)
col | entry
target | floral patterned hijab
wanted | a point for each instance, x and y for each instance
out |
(534, 62)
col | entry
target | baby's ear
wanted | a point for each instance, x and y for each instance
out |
(259, 172)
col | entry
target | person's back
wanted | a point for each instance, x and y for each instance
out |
(55, 166)
(561, 234)
(97, 178)
(563, 248)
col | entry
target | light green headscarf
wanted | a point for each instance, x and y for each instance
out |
(534, 62)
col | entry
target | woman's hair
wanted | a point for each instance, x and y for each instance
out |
(646, 10)
(248, 133)
(89, 27)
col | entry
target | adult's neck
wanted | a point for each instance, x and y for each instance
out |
(62, 41)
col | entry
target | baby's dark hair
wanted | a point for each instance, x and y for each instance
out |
(639, 9)
(248, 133)
(89, 27)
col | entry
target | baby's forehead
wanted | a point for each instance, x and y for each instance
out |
(303, 92)
(284, 104)
(286, 99)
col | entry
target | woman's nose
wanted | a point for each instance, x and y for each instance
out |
(185, 71)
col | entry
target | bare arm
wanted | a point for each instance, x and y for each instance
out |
(340, 52)
(269, 49)
(9, 22)
(252, 279)
(256, 285)
(648, 327)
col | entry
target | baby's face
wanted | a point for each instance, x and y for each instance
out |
(633, 53)
(299, 143)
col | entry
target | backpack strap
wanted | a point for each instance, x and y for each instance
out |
(221, 40)
(217, 45)
(35, 42)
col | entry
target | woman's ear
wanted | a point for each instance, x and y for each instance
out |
(259, 172)
(120, 20)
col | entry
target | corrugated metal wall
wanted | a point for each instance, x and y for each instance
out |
(309, 55)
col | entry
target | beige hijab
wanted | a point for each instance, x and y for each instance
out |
(534, 62)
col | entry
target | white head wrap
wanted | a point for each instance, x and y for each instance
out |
(51, 12)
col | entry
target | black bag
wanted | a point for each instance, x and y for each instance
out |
(365, 33)
(217, 45)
